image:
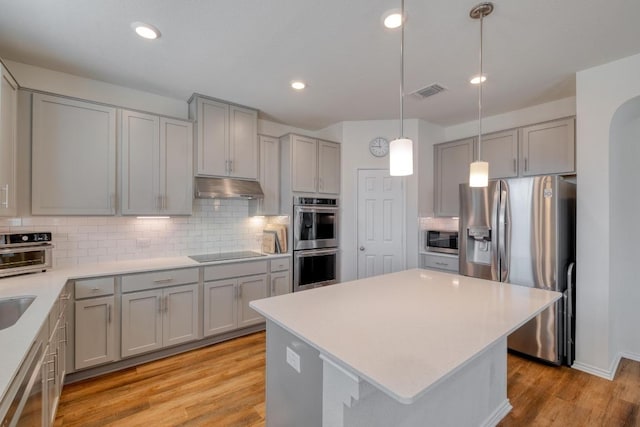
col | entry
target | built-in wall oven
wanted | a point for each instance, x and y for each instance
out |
(315, 223)
(315, 242)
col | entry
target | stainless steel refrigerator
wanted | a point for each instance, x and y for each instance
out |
(522, 231)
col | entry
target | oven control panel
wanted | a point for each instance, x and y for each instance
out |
(22, 238)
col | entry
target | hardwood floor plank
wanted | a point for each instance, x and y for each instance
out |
(224, 385)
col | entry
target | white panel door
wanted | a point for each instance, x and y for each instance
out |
(141, 322)
(220, 314)
(140, 160)
(180, 320)
(380, 223)
(176, 166)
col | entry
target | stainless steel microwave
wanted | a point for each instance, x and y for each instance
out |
(441, 241)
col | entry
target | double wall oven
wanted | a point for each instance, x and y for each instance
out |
(315, 242)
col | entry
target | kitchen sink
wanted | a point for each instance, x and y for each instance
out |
(11, 309)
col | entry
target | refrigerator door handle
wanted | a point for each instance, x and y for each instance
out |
(495, 244)
(502, 240)
(569, 320)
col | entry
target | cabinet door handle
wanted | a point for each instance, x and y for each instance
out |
(526, 164)
(5, 188)
(166, 303)
(108, 315)
(64, 340)
(230, 166)
(514, 165)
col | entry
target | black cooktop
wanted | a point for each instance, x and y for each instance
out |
(224, 256)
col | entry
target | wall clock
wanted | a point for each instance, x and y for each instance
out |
(379, 146)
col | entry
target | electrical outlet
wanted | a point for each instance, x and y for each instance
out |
(293, 359)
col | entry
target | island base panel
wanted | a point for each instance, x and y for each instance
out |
(293, 398)
(325, 394)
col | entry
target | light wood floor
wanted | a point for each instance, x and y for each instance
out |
(223, 385)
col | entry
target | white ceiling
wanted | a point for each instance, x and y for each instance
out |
(247, 51)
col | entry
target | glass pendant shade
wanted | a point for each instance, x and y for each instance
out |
(401, 157)
(478, 174)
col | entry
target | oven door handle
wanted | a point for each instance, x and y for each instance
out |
(311, 209)
(20, 249)
(315, 252)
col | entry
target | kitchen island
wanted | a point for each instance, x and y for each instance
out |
(413, 348)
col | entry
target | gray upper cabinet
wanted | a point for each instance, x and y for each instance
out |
(270, 175)
(304, 164)
(156, 165)
(541, 149)
(226, 139)
(73, 157)
(451, 169)
(309, 165)
(8, 142)
(328, 167)
(548, 148)
(500, 150)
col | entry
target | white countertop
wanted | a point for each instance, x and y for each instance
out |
(405, 332)
(16, 340)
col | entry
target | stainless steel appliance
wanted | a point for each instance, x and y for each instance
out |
(24, 253)
(522, 231)
(316, 256)
(316, 267)
(441, 241)
(315, 223)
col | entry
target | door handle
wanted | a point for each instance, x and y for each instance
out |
(362, 248)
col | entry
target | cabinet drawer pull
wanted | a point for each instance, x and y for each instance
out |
(442, 263)
(158, 281)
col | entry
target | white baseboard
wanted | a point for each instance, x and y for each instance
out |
(610, 373)
(497, 415)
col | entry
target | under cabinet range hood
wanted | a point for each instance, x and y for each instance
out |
(227, 188)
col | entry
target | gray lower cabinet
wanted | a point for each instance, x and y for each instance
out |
(159, 318)
(94, 332)
(228, 290)
(95, 322)
(442, 262)
(280, 277)
(226, 303)
(280, 283)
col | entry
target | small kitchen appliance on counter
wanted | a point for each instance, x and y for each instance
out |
(22, 253)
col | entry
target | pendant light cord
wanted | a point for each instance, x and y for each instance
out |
(402, 69)
(480, 95)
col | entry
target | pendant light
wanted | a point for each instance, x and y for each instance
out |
(401, 148)
(479, 170)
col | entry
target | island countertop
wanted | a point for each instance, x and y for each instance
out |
(406, 332)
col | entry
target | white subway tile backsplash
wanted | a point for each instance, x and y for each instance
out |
(215, 226)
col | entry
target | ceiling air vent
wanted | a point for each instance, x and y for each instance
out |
(428, 91)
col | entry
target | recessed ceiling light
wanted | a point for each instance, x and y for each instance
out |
(392, 20)
(145, 30)
(476, 80)
(298, 85)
